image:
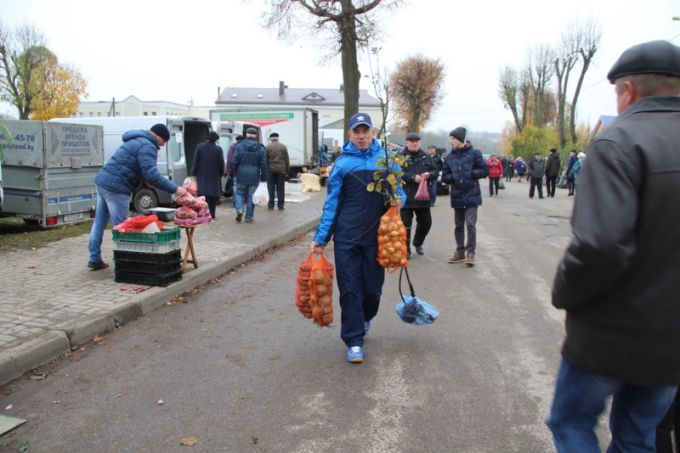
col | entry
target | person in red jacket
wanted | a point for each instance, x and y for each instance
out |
(495, 173)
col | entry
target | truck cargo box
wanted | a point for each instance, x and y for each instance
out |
(49, 170)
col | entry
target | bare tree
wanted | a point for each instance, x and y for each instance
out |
(380, 87)
(508, 90)
(540, 72)
(22, 52)
(351, 22)
(415, 86)
(564, 63)
(587, 37)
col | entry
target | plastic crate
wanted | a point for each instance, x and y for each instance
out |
(151, 258)
(147, 263)
(146, 247)
(147, 279)
(168, 234)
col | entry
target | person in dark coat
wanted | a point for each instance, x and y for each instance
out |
(552, 171)
(418, 165)
(536, 168)
(571, 184)
(618, 280)
(463, 167)
(438, 163)
(229, 171)
(250, 165)
(208, 169)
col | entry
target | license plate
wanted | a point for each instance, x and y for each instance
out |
(73, 217)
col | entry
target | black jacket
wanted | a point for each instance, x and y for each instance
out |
(417, 164)
(619, 279)
(208, 168)
(536, 168)
(552, 166)
(463, 167)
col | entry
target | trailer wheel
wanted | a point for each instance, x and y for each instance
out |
(144, 199)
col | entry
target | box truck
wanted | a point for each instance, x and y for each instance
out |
(48, 171)
(298, 129)
(174, 159)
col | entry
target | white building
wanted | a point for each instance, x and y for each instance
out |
(328, 102)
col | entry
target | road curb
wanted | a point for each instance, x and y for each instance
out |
(14, 362)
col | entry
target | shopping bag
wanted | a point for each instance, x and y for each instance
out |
(412, 309)
(302, 290)
(321, 291)
(423, 193)
(261, 195)
(392, 251)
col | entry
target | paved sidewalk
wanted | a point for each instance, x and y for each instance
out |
(52, 302)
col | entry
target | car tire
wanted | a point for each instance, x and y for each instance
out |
(144, 199)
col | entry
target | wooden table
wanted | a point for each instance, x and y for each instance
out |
(189, 250)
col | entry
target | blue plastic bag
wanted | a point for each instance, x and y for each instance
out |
(413, 310)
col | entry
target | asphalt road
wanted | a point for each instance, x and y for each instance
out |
(240, 370)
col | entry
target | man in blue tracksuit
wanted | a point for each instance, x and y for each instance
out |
(351, 215)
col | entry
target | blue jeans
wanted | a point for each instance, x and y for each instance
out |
(580, 398)
(110, 205)
(244, 195)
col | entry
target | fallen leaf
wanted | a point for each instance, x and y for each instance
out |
(24, 446)
(8, 407)
(189, 441)
(38, 376)
(97, 339)
(160, 402)
(32, 266)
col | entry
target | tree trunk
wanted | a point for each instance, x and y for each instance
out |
(350, 67)
(572, 119)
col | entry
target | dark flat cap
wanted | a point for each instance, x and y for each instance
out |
(654, 57)
(251, 131)
(412, 137)
(274, 135)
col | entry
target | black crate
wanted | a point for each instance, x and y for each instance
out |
(149, 258)
(147, 263)
(146, 279)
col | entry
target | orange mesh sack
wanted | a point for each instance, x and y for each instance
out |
(302, 289)
(392, 241)
(321, 291)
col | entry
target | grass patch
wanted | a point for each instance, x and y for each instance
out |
(17, 234)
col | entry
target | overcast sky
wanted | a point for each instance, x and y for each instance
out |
(181, 51)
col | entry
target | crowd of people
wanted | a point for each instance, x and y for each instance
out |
(617, 281)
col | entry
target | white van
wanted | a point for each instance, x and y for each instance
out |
(174, 159)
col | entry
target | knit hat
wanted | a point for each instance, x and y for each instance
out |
(213, 136)
(459, 134)
(161, 130)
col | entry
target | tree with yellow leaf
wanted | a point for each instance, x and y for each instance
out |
(415, 86)
(61, 88)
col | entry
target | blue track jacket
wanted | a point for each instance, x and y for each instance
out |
(351, 214)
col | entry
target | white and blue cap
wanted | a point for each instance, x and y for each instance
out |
(359, 119)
